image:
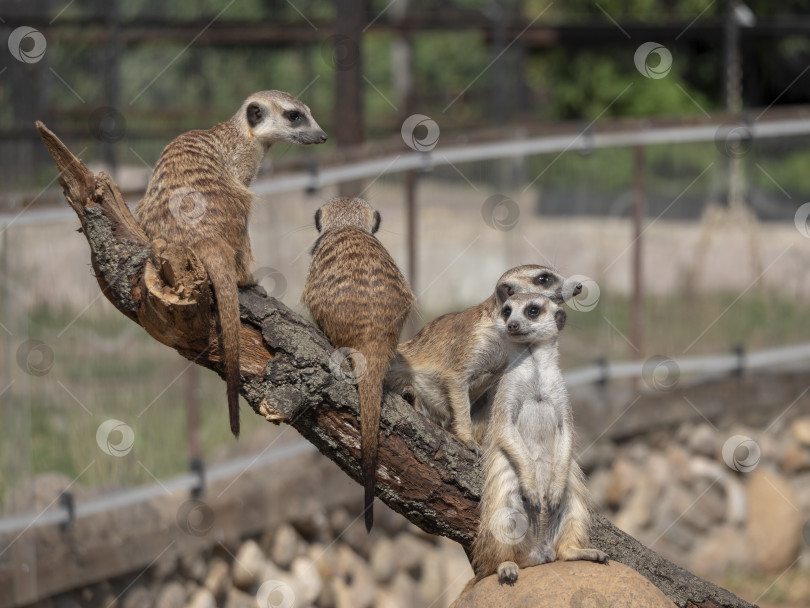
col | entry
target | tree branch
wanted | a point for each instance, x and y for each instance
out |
(424, 473)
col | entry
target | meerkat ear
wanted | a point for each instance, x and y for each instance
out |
(503, 292)
(318, 220)
(560, 317)
(254, 114)
(377, 220)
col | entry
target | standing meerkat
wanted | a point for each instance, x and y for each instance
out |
(198, 196)
(534, 507)
(359, 298)
(451, 363)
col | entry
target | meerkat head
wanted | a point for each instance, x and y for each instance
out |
(275, 116)
(530, 318)
(535, 279)
(344, 211)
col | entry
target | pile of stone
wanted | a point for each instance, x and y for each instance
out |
(713, 501)
(326, 562)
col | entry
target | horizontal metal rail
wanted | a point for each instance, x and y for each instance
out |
(128, 498)
(702, 365)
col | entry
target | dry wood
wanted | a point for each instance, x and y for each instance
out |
(424, 473)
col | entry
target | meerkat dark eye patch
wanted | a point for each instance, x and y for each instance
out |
(294, 116)
(533, 311)
(542, 279)
(254, 114)
(506, 312)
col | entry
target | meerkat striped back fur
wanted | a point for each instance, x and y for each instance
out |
(198, 196)
(359, 298)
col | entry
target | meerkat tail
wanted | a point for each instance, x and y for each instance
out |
(227, 295)
(370, 389)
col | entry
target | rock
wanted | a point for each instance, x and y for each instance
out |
(723, 549)
(431, 585)
(173, 595)
(795, 459)
(383, 560)
(774, 527)
(679, 463)
(138, 596)
(637, 514)
(248, 565)
(360, 580)
(193, 566)
(800, 430)
(315, 527)
(351, 530)
(307, 580)
(704, 441)
(409, 552)
(285, 545)
(202, 598)
(325, 559)
(623, 477)
(218, 579)
(567, 584)
(402, 594)
(240, 599)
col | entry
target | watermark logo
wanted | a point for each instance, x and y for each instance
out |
(741, 453)
(195, 518)
(661, 373)
(347, 365)
(802, 220)
(653, 60)
(427, 136)
(27, 44)
(500, 212)
(509, 525)
(587, 597)
(187, 205)
(340, 52)
(34, 357)
(107, 124)
(273, 281)
(115, 437)
(733, 140)
(587, 299)
(275, 594)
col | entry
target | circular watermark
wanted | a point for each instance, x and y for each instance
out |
(588, 296)
(733, 139)
(420, 132)
(587, 597)
(340, 52)
(275, 594)
(34, 357)
(111, 430)
(187, 205)
(195, 518)
(347, 365)
(273, 281)
(802, 220)
(27, 44)
(500, 212)
(661, 373)
(653, 60)
(741, 453)
(509, 525)
(107, 124)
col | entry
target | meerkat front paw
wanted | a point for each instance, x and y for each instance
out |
(534, 497)
(473, 445)
(555, 496)
(508, 572)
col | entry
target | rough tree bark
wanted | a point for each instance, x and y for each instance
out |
(424, 473)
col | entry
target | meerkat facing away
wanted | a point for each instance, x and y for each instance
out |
(534, 507)
(451, 363)
(198, 196)
(359, 298)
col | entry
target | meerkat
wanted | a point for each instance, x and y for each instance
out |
(534, 507)
(446, 369)
(359, 298)
(198, 196)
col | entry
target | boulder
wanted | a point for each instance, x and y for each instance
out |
(774, 520)
(248, 565)
(173, 595)
(800, 430)
(575, 584)
(285, 545)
